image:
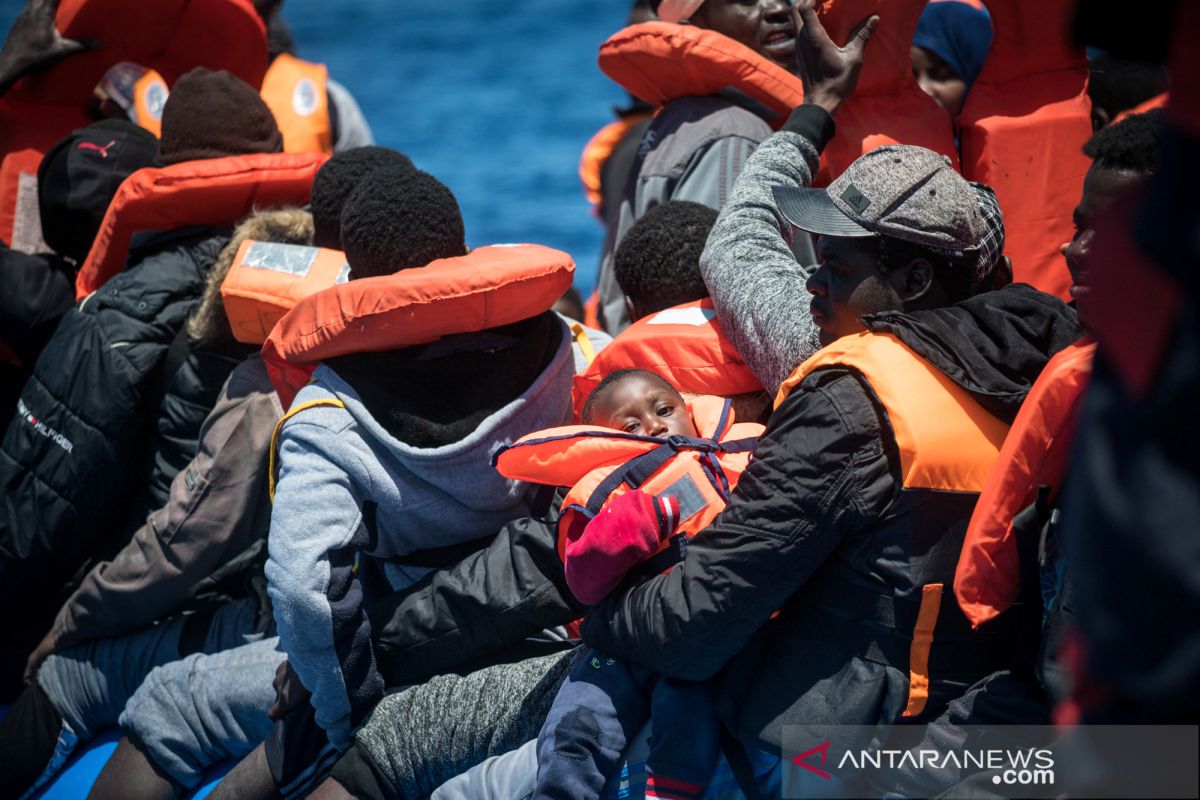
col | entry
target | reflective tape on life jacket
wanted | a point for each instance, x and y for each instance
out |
(1022, 132)
(1158, 101)
(685, 345)
(946, 441)
(273, 458)
(659, 61)
(267, 279)
(43, 108)
(150, 94)
(600, 463)
(988, 580)
(215, 191)
(597, 151)
(887, 107)
(295, 92)
(487, 288)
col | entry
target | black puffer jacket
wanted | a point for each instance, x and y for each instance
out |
(73, 457)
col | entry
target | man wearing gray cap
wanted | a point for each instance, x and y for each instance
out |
(816, 598)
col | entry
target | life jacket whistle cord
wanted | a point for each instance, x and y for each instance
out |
(267, 279)
(685, 345)
(216, 191)
(600, 463)
(487, 288)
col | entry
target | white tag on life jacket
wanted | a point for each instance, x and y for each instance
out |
(27, 218)
(684, 316)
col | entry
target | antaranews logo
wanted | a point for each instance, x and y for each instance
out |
(1031, 767)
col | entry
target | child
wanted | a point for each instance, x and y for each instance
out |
(604, 702)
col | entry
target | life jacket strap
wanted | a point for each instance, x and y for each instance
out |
(273, 464)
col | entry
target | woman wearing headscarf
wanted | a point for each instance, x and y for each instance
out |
(948, 51)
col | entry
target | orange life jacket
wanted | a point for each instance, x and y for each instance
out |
(267, 279)
(487, 288)
(659, 61)
(597, 151)
(600, 463)
(214, 191)
(988, 579)
(1158, 101)
(180, 34)
(1022, 132)
(295, 92)
(887, 107)
(947, 444)
(149, 96)
(685, 345)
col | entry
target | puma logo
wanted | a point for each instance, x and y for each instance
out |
(103, 151)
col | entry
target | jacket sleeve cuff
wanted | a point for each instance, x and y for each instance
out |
(813, 123)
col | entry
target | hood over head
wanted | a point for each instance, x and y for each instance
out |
(994, 345)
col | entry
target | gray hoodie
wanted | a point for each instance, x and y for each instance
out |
(347, 488)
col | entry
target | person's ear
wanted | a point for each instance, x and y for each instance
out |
(1002, 274)
(913, 281)
(1100, 118)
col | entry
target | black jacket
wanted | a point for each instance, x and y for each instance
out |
(74, 456)
(822, 497)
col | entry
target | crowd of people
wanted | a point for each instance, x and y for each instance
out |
(302, 492)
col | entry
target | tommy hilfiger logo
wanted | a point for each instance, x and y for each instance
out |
(42, 428)
(102, 150)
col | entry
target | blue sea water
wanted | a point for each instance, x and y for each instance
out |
(495, 98)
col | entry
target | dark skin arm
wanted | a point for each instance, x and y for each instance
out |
(34, 44)
(829, 72)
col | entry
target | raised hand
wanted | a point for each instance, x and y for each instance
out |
(829, 72)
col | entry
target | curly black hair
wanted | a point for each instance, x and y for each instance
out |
(1131, 145)
(589, 405)
(657, 264)
(398, 219)
(336, 180)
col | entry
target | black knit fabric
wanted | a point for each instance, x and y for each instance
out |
(214, 114)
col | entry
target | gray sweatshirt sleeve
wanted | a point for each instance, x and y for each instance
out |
(755, 281)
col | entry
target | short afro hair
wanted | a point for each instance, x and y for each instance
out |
(1131, 145)
(657, 264)
(335, 181)
(398, 219)
(607, 382)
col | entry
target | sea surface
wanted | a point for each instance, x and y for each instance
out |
(496, 98)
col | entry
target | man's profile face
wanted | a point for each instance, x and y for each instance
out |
(1101, 188)
(846, 285)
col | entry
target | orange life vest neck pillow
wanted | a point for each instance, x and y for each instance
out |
(685, 345)
(487, 288)
(215, 191)
(267, 279)
(659, 61)
(887, 107)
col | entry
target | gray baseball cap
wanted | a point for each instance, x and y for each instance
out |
(898, 190)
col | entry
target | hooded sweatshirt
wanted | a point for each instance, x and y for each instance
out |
(351, 492)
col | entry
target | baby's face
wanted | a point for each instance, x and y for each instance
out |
(643, 405)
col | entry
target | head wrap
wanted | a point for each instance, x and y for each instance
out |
(957, 33)
(675, 10)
